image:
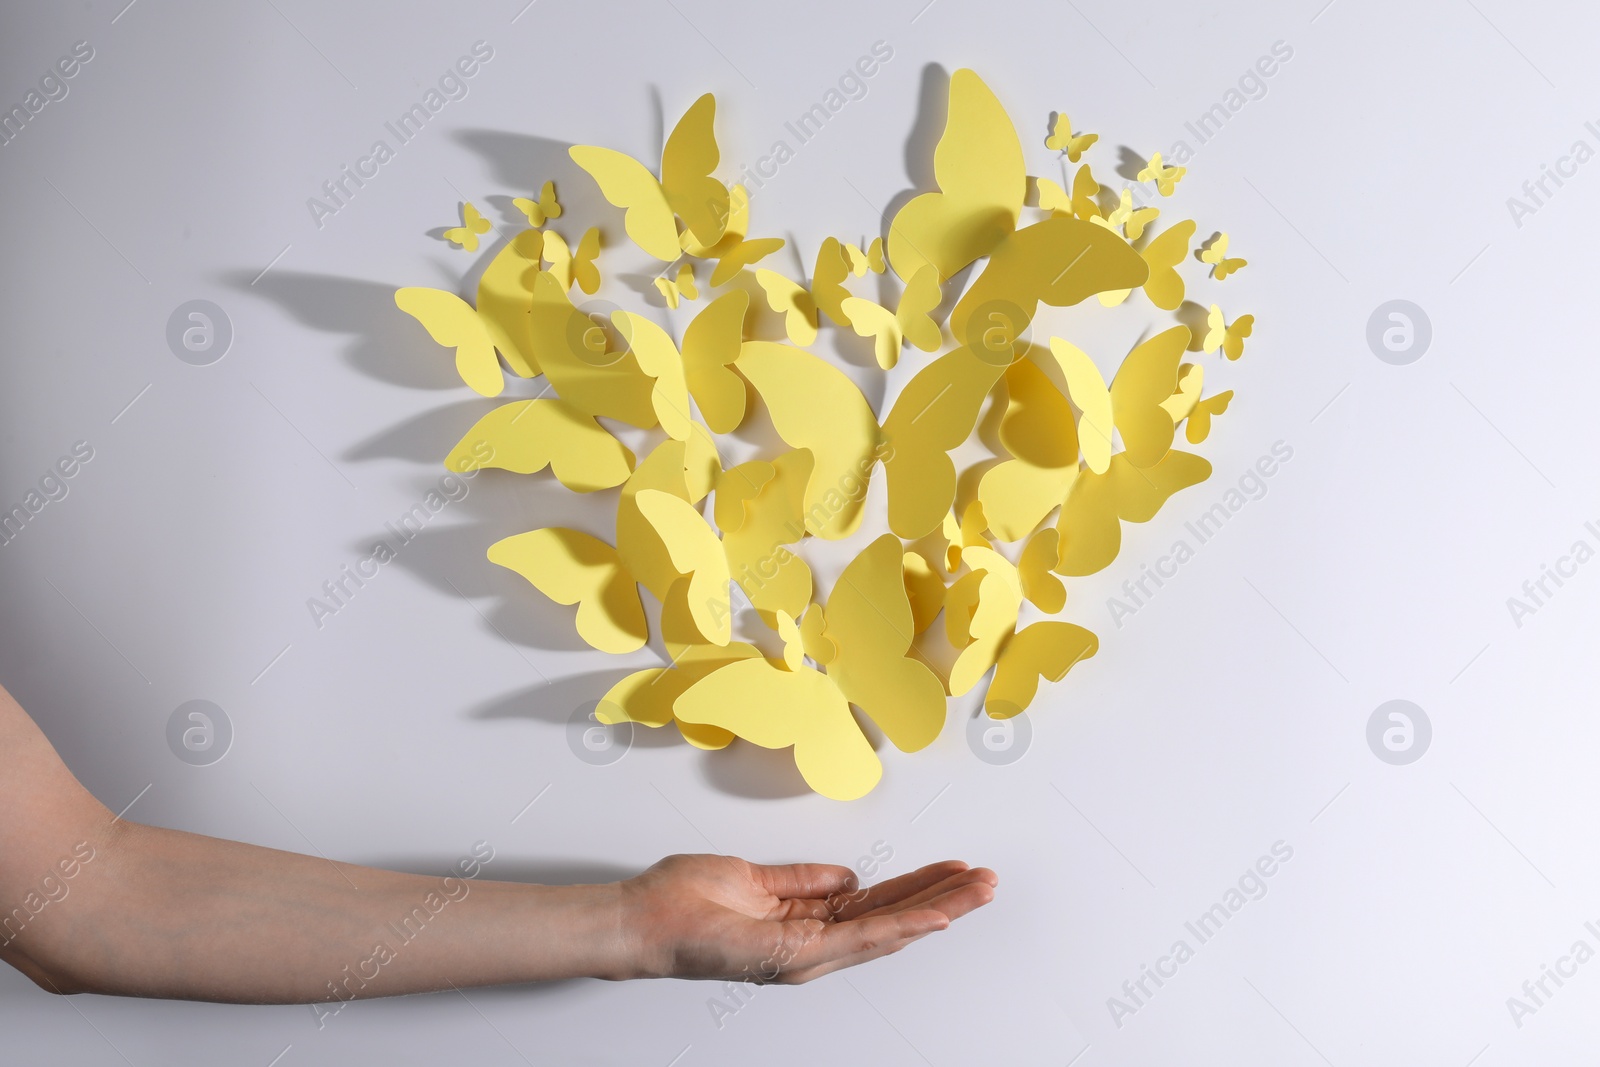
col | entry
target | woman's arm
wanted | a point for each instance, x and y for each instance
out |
(89, 903)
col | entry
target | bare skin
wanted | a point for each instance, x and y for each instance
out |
(90, 903)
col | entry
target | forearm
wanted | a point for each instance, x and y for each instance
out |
(169, 914)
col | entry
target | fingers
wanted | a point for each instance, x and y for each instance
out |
(808, 880)
(979, 882)
(893, 927)
(897, 889)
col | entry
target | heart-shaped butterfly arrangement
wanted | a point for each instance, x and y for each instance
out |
(868, 643)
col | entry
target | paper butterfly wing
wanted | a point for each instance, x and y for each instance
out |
(453, 323)
(571, 567)
(869, 619)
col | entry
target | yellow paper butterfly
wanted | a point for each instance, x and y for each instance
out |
(1166, 178)
(1132, 220)
(1164, 286)
(542, 210)
(1062, 140)
(567, 266)
(571, 567)
(1084, 191)
(1052, 197)
(1096, 504)
(685, 189)
(910, 321)
(466, 235)
(867, 631)
(794, 303)
(1227, 336)
(982, 183)
(1147, 377)
(710, 347)
(1040, 432)
(527, 436)
(1046, 649)
(827, 281)
(500, 321)
(1198, 427)
(871, 259)
(681, 289)
(1216, 253)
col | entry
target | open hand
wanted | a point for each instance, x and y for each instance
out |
(720, 917)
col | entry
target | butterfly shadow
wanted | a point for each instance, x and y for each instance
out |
(753, 773)
(388, 345)
(1129, 163)
(555, 703)
(525, 161)
(1194, 316)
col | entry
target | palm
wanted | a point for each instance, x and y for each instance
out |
(721, 917)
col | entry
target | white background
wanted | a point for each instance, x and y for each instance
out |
(1228, 714)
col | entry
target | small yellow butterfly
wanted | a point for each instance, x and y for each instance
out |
(466, 235)
(1216, 253)
(1062, 140)
(1198, 427)
(861, 262)
(568, 266)
(1132, 219)
(1166, 178)
(910, 321)
(683, 288)
(1227, 336)
(539, 211)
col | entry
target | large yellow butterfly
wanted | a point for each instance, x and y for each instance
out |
(527, 436)
(1057, 261)
(1089, 522)
(866, 635)
(542, 210)
(1164, 286)
(1040, 432)
(1133, 404)
(466, 235)
(685, 189)
(575, 355)
(910, 321)
(1062, 140)
(571, 567)
(982, 183)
